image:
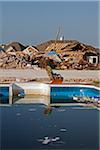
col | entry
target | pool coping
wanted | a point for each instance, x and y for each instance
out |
(75, 85)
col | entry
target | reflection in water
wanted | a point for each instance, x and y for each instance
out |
(48, 110)
(26, 127)
(43, 124)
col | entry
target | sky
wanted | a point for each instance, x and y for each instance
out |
(34, 22)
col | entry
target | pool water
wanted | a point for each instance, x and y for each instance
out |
(4, 95)
(65, 94)
(24, 126)
(57, 94)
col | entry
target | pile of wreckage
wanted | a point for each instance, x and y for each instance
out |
(60, 54)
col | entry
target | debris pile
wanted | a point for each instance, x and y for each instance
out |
(67, 54)
(12, 61)
(14, 56)
(82, 64)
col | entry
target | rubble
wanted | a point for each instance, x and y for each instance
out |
(67, 54)
(15, 45)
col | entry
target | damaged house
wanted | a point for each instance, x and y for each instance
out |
(30, 50)
(74, 55)
(91, 58)
(61, 54)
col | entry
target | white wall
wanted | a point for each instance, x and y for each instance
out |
(90, 59)
(32, 88)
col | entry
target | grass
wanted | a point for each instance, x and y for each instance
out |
(96, 83)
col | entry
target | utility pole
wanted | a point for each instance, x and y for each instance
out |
(57, 36)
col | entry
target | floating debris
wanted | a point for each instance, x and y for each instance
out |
(48, 140)
(18, 114)
(32, 109)
(55, 139)
(40, 140)
(61, 110)
(63, 130)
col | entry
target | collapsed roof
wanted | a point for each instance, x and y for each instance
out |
(65, 45)
(16, 45)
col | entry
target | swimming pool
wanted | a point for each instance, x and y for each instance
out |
(57, 93)
(4, 95)
(65, 94)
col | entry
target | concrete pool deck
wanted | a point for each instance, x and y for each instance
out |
(42, 74)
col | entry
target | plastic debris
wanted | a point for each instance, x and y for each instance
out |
(48, 140)
(46, 137)
(55, 139)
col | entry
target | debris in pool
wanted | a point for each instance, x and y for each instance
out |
(40, 140)
(55, 139)
(46, 137)
(18, 114)
(63, 130)
(61, 110)
(32, 109)
(48, 140)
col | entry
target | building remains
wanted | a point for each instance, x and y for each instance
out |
(61, 54)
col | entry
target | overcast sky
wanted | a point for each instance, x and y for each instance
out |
(36, 22)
